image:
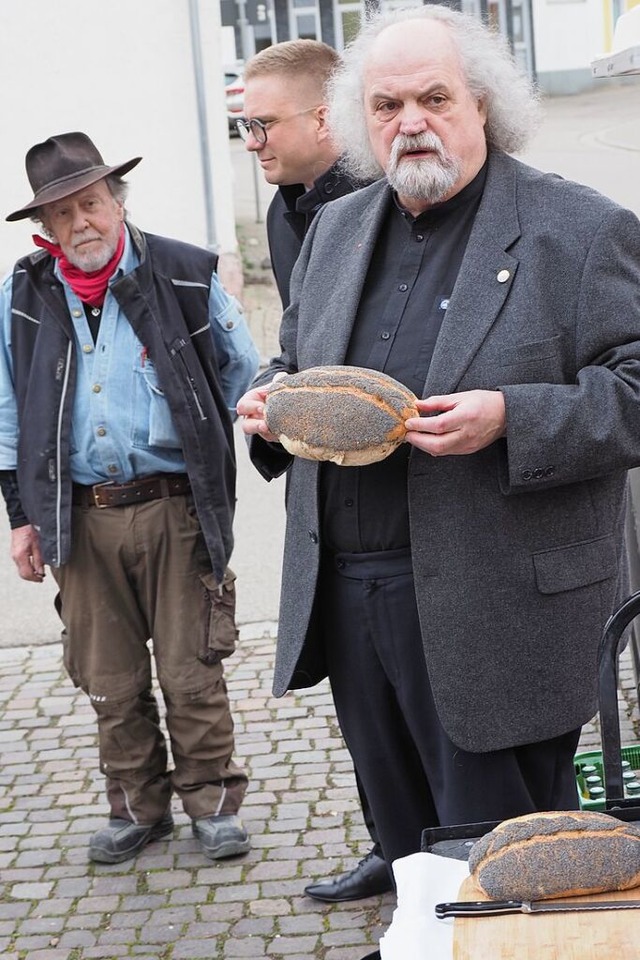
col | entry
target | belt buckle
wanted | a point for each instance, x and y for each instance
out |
(95, 492)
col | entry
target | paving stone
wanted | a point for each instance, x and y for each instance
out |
(31, 944)
(271, 907)
(105, 952)
(77, 938)
(58, 953)
(286, 946)
(168, 879)
(196, 895)
(112, 937)
(30, 891)
(195, 949)
(160, 932)
(85, 921)
(122, 885)
(73, 887)
(130, 919)
(302, 924)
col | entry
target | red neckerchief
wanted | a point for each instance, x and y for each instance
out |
(90, 287)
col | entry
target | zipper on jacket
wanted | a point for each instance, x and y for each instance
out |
(176, 348)
(65, 386)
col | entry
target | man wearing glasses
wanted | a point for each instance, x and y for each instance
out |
(285, 125)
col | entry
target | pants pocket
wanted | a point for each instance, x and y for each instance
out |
(220, 631)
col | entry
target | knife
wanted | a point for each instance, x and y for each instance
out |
(492, 908)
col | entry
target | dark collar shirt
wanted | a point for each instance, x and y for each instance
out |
(289, 217)
(409, 283)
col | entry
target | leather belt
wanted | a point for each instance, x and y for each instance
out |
(108, 494)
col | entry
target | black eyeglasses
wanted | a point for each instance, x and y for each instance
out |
(258, 128)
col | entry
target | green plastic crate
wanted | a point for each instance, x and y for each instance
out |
(632, 754)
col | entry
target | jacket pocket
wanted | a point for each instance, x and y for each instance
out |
(529, 352)
(152, 408)
(575, 565)
(220, 633)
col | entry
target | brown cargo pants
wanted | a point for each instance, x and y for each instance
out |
(136, 573)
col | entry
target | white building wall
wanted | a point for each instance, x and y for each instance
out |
(121, 71)
(569, 33)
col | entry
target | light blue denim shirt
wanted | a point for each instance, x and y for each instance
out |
(122, 427)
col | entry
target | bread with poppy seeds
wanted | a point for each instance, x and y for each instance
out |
(542, 856)
(351, 416)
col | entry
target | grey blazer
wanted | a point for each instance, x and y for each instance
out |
(518, 549)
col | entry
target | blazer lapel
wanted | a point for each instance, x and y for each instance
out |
(352, 254)
(484, 280)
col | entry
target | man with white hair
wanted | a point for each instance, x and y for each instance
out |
(455, 592)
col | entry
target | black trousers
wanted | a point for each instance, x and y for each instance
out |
(412, 773)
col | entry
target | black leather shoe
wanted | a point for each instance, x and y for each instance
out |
(121, 839)
(370, 878)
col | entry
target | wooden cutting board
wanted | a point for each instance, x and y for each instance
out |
(597, 935)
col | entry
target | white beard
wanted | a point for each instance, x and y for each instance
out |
(430, 179)
(95, 259)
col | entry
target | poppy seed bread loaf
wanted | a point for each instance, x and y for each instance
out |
(349, 415)
(547, 855)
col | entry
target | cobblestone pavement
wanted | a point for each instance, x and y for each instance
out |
(171, 903)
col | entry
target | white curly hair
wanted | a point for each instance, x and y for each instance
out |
(512, 105)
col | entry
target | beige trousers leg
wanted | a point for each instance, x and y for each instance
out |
(138, 573)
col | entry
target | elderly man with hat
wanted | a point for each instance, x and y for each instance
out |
(121, 359)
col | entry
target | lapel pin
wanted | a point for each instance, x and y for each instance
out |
(503, 276)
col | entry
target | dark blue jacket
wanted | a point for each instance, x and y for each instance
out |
(290, 215)
(171, 320)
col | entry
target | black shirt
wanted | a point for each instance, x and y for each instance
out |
(410, 280)
(289, 217)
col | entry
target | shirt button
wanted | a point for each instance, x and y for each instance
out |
(419, 237)
(101, 432)
(348, 502)
(96, 388)
(112, 468)
(403, 288)
(87, 348)
(313, 536)
(229, 324)
(340, 564)
(385, 335)
(76, 313)
(328, 188)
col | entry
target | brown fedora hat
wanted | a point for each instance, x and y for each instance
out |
(63, 165)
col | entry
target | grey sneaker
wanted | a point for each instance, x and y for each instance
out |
(121, 839)
(221, 837)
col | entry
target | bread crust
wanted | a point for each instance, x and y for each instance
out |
(557, 854)
(348, 415)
